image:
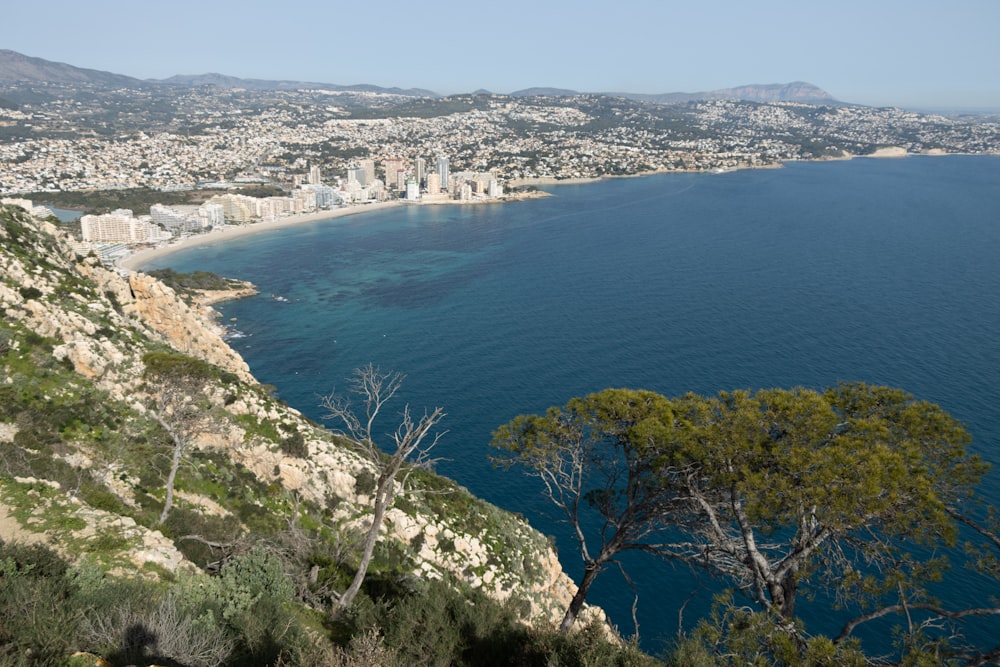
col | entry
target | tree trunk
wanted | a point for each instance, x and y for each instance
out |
(175, 463)
(382, 492)
(590, 572)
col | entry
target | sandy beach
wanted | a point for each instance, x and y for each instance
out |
(137, 259)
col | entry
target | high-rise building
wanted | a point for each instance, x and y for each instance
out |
(392, 166)
(356, 175)
(442, 169)
(419, 169)
(368, 166)
(433, 183)
(412, 190)
(314, 175)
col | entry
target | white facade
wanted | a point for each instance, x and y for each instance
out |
(412, 190)
(212, 215)
(323, 196)
(433, 183)
(314, 176)
(119, 226)
(175, 220)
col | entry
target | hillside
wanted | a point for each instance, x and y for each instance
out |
(18, 68)
(99, 374)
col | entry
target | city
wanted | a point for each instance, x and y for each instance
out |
(320, 150)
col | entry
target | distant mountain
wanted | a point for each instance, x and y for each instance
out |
(544, 92)
(19, 68)
(797, 91)
(16, 68)
(223, 81)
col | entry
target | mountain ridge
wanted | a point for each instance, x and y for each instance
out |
(19, 68)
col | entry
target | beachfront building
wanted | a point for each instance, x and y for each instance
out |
(120, 226)
(324, 196)
(412, 190)
(433, 183)
(314, 175)
(420, 170)
(176, 221)
(395, 175)
(212, 215)
(357, 176)
(368, 166)
(442, 170)
(494, 190)
(237, 209)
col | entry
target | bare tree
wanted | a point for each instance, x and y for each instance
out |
(410, 442)
(176, 383)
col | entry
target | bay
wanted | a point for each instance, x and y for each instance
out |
(881, 271)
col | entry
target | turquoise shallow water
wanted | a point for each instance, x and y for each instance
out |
(883, 271)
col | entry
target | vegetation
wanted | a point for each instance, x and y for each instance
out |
(375, 388)
(104, 201)
(600, 451)
(196, 280)
(848, 496)
(247, 616)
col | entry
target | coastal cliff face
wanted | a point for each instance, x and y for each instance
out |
(83, 449)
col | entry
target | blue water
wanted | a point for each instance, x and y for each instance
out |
(882, 271)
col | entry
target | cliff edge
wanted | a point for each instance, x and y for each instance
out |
(85, 436)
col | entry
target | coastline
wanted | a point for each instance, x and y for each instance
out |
(135, 261)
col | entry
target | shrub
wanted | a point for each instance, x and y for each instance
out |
(294, 445)
(29, 293)
(37, 619)
(364, 483)
(138, 633)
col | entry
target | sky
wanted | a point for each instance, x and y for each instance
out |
(907, 53)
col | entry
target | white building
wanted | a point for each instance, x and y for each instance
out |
(119, 226)
(412, 190)
(212, 215)
(433, 183)
(176, 221)
(324, 196)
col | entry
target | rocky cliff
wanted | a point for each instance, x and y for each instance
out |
(84, 446)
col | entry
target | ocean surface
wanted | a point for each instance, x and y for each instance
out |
(882, 271)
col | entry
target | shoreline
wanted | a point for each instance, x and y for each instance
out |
(136, 260)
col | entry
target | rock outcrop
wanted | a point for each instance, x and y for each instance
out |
(83, 316)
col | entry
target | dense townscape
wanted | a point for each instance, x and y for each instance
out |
(58, 138)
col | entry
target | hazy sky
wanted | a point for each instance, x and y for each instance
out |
(910, 53)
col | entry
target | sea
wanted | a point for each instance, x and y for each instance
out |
(885, 271)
